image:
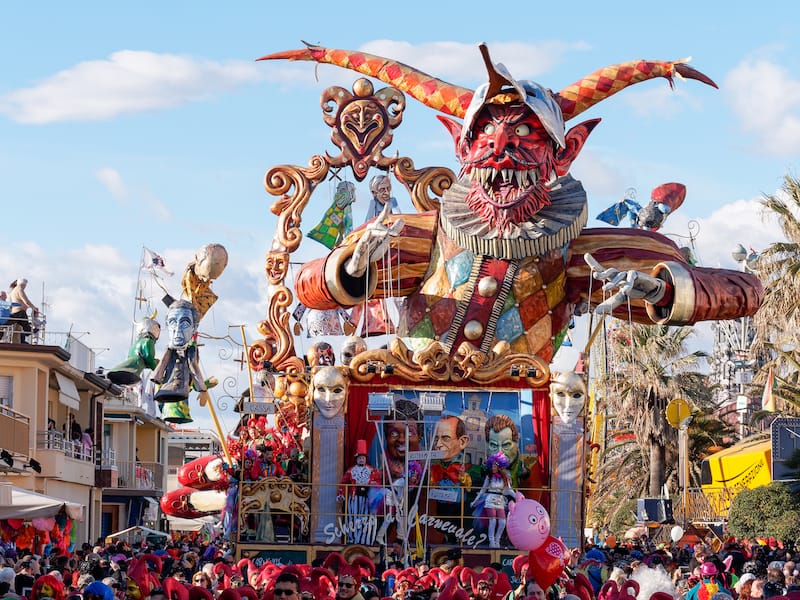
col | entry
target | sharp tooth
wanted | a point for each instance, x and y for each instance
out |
(521, 179)
(533, 174)
(505, 175)
(471, 174)
(492, 175)
(485, 175)
(552, 179)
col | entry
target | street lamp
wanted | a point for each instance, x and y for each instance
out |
(747, 262)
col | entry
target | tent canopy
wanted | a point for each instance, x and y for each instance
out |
(30, 505)
(138, 529)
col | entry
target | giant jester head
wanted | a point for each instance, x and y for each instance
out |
(512, 145)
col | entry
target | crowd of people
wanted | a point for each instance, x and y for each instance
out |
(205, 570)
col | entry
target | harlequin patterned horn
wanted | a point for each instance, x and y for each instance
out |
(435, 93)
(605, 82)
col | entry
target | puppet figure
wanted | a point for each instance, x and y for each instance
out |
(356, 483)
(141, 355)
(180, 367)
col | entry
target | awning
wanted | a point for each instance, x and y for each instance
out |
(180, 524)
(67, 392)
(30, 505)
(117, 418)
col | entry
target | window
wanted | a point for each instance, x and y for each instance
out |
(7, 391)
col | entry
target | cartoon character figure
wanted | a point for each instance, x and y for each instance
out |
(180, 366)
(492, 496)
(528, 523)
(354, 491)
(338, 219)
(448, 475)
(141, 354)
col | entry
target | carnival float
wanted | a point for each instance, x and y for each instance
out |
(434, 422)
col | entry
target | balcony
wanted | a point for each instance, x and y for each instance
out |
(14, 431)
(63, 459)
(137, 475)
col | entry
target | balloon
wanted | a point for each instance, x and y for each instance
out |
(43, 523)
(528, 523)
(546, 563)
(611, 541)
(676, 533)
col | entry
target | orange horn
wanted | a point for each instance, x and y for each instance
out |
(605, 82)
(432, 92)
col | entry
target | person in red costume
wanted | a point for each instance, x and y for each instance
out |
(47, 586)
(361, 524)
(505, 261)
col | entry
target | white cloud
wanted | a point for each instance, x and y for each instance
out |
(129, 81)
(766, 98)
(157, 208)
(743, 221)
(599, 174)
(112, 181)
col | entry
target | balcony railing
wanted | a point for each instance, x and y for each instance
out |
(108, 458)
(140, 475)
(55, 440)
(14, 430)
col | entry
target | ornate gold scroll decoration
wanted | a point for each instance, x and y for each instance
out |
(433, 363)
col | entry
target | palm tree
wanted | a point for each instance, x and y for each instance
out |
(651, 366)
(777, 323)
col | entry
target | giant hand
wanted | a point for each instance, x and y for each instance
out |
(633, 285)
(373, 243)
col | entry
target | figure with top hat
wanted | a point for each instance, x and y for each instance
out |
(361, 523)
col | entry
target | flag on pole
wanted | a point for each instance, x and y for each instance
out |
(153, 260)
(767, 399)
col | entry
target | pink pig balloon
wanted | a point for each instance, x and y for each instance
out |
(528, 523)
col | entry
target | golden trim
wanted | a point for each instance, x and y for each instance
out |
(682, 308)
(335, 265)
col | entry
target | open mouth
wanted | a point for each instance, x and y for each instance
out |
(506, 188)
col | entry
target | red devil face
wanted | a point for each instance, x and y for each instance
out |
(510, 160)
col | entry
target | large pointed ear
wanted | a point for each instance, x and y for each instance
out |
(575, 138)
(452, 126)
(455, 131)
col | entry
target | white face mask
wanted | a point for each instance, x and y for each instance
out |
(568, 392)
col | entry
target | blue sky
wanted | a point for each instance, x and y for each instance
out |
(130, 124)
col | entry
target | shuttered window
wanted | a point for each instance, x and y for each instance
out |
(6, 391)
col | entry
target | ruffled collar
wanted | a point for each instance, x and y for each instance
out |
(552, 227)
